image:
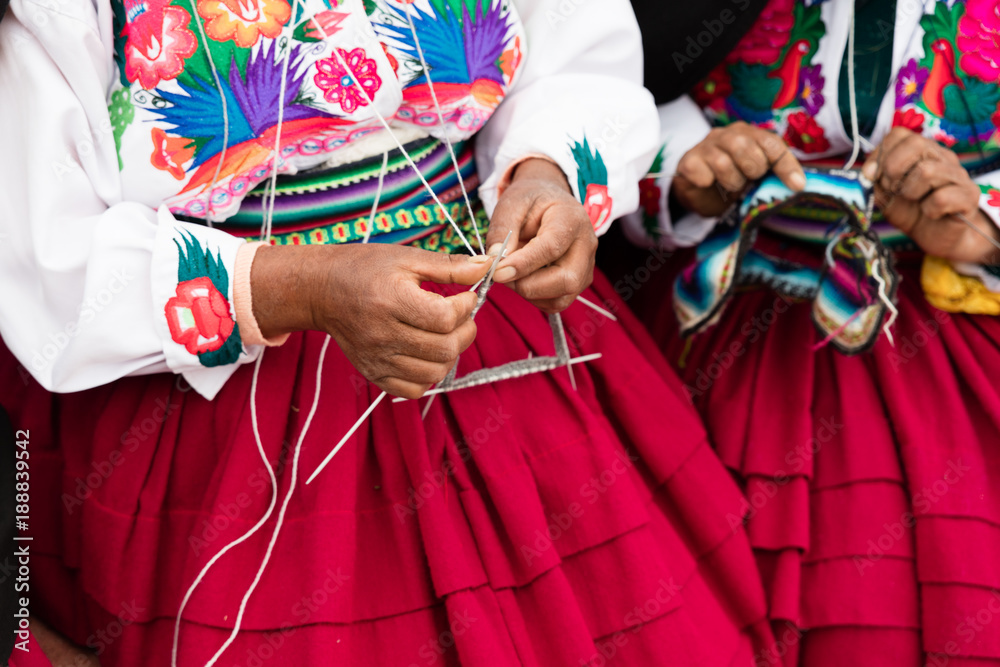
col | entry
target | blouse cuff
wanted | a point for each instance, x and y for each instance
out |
(243, 299)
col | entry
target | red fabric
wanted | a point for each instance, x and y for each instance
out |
(873, 481)
(32, 657)
(571, 528)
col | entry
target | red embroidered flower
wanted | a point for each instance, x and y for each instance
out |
(170, 153)
(978, 40)
(911, 119)
(158, 42)
(714, 87)
(649, 196)
(803, 133)
(244, 21)
(338, 85)
(326, 24)
(994, 199)
(597, 204)
(198, 316)
(946, 139)
(768, 36)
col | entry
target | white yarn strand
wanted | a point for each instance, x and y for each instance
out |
(852, 95)
(243, 538)
(378, 196)
(444, 136)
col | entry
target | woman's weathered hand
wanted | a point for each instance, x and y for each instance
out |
(923, 190)
(712, 175)
(551, 254)
(368, 298)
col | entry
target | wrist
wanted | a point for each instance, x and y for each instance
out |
(281, 289)
(541, 169)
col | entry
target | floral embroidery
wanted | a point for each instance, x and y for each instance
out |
(805, 134)
(910, 82)
(158, 41)
(244, 21)
(994, 199)
(811, 89)
(768, 36)
(592, 183)
(910, 119)
(337, 83)
(714, 88)
(170, 153)
(199, 315)
(650, 194)
(978, 40)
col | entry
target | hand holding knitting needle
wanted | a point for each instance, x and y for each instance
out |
(924, 191)
(551, 256)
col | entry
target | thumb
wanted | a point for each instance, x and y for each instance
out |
(442, 268)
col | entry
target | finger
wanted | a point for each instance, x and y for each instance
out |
(512, 214)
(694, 168)
(746, 154)
(928, 175)
(430, 311)
(416, 371)
(551, 243)
(553, 306)
(876, 163)
(950, 200)
(439, 267)
(438, 348)
(727, 174)
(783, 163)
(568, 276)
(402, 388)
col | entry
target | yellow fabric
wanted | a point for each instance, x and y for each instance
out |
(950, 291)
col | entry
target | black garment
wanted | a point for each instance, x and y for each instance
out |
(684, 41)
(3, 7)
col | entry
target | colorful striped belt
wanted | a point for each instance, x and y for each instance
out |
(334, 205)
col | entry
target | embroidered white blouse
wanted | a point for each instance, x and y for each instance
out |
(113, 125)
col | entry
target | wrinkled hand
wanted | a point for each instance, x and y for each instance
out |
(922, 190)
(712, 175)
(368, 298)
(551, 252)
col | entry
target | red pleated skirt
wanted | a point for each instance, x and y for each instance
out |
(872, 482)
(521, 523)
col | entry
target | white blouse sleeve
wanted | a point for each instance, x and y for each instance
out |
(682, 127)
(579, 101)
(95, 288)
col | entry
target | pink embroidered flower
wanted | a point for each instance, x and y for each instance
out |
(198, 317)
(911, 119)
(170, 153)
(158, 42)
(597, 203)
(339, 86)
(715, 86)
(978, 40)
(803, 133)
(244, 21)
(946, 139)
(768, 36)
(994, 199)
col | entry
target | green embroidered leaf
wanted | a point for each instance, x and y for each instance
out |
(229, 353)
(658, 161)
(194, 262)
(223, 54)
(590, 167)
(121, 112)
(972, 106)
(942, 24)
(808, 26)
(751, 86)
(369, 7)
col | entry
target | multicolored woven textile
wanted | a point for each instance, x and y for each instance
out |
(334, 205)
(851, 282)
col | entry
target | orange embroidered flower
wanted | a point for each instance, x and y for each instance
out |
(170, 153)
(244, 21)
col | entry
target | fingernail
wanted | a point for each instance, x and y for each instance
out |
(505, 274)
(494, 249)
(868, 171)
(480, 259)
(797, 181)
